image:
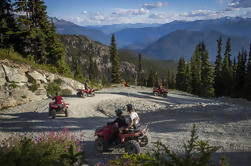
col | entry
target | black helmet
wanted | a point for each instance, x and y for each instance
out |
(118, 112)
(87, 81)
(129, 107)
(57, 93)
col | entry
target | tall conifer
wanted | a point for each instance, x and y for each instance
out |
(115, 76)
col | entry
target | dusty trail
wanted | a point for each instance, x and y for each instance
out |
(224, 122)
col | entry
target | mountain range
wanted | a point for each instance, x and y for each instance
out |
(142, 37)
(109, 29)
(167, 41)
(67, 27)
(182, 43)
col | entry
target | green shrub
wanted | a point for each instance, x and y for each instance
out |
(34, 87)
(13, 85)
(197, 153)
(54, 148)
(54, 87)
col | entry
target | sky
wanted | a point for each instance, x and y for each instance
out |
(107, 12)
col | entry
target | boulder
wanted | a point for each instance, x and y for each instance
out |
(2, 76)
(15, 75)
(41, 91)
(37, 77)
(68, 83)
(50, 77)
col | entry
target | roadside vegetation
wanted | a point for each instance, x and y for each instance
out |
(54, 148)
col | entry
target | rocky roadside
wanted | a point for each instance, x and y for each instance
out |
(17, 83)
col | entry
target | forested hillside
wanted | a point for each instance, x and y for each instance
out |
(230, 76)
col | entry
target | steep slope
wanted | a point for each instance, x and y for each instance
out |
(82, 47)
(181, 43)
(141, 37)
(66, 27)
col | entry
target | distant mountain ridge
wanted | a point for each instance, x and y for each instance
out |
(67, 27)
(182, 43)
(109, 29)
(142, 37)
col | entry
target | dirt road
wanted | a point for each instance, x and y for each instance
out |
(223, 122)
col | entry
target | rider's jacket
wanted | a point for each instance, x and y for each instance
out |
(121, 121)
(58, 99)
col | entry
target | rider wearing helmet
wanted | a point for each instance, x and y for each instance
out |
(134, 117)
(120, 118)
(86, 85)
(58, 99)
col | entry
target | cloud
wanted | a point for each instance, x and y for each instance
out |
(158, 4)
(128, 12)
(84, 12)
(200, 13)
(240, 4)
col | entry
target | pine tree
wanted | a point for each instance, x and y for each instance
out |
(196, 71)
(248, 78)
(8, 25)
(218, 84)
(207, 74)
(150, 80)
(115, 76)
(169, 78)
(156, 79)
(91, 69)
(240, 74)
(139, 72)
(180, 76)
(188, 87)
(227, 71)
(173, 82)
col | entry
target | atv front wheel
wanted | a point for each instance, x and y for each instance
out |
(155, 93)
(53, 113)
(100, 145)
(66, 112)
(145, 140)
(132, 147)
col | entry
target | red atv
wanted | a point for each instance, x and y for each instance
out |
(131, 140)
(55, 109)
(160, 92)
(84, 93)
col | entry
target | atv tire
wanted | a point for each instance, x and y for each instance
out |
(79, 94)
(155, 93)
(132, 147)
(66, 113)
(165, 95)
(100, 145)
(53, 113)
(145, 140)
(50, 111)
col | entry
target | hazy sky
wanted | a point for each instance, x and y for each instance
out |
(103, 12)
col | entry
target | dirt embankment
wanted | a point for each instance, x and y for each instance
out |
(223, 122)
